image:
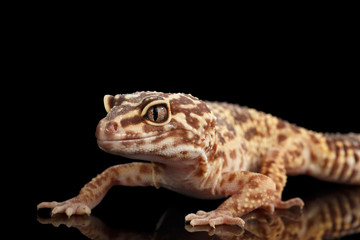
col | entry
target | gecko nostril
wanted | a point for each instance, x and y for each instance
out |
(111, 127)
(115, 126)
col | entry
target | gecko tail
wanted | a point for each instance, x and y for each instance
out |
(339, 159)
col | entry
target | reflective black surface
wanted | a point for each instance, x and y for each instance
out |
(327, 209)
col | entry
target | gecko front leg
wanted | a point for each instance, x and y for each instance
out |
(132, 174)
(292, 153)
(248, 191)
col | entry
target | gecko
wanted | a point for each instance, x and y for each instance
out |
(211, 150)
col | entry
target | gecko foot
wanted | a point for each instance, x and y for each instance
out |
(290, 203)
(70, 207)
(213, 218)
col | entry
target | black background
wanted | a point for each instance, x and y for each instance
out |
(303, 72)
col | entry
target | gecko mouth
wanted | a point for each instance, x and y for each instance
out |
(129, 144)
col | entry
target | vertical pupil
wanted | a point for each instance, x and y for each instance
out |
(155, 113)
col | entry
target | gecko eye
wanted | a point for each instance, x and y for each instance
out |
(157, 113)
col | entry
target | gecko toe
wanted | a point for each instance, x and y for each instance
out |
(69, 211)
(46, 205)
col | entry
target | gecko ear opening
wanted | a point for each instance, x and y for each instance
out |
(108, 102)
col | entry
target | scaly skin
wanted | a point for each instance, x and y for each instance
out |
(211, 150)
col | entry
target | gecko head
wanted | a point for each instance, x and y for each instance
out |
(158, 127)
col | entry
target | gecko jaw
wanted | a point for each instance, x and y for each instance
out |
(168, 145)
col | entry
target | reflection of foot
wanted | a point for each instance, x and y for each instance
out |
(70, 207)
(74, 221)
(221, 230)
(213, 218)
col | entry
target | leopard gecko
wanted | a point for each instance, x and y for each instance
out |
(211, 150)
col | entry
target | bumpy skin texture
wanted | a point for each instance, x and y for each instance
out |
(211, 150)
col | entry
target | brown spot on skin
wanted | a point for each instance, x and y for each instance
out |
(144, 169)
(229, 135)
(281, 138)
(233, 154)
(200, 172)
(220, 154)
(313, 157)
(131, 121)
(274, 154)
(194, 122)
(221, 138)
(242, 116)
(295, 129)
(128, 180)
(253, 184)
(281, 124)
(158, 139)
(151, 128)
(232, 177)
(314, 139)
(91, 185)
(250, 133)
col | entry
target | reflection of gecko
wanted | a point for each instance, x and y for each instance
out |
(211, 150)
(329, 216)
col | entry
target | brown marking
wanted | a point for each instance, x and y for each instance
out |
(294, 128)
(314, 139)
(267, 127)
(151, 128)
(344, 170)
(200, 172)
(128, 180)
(233, 154)
(229, 135)
(240, 182)
(274, 154)
(144, 169)
(242, 116)
(182, 100)
(200, 109)
(231, 177)
(334, 167)
(250, 133)
(131, 121)
(221, 138)
(91, 185)
(158, 139)
(267, 165)
(281, 124)
(220, 154)
(356, 158)
(253, 184)
(330, 144)
(354, 173)
(281, 138)
(313, 157)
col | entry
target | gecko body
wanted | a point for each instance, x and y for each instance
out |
(211, 150)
